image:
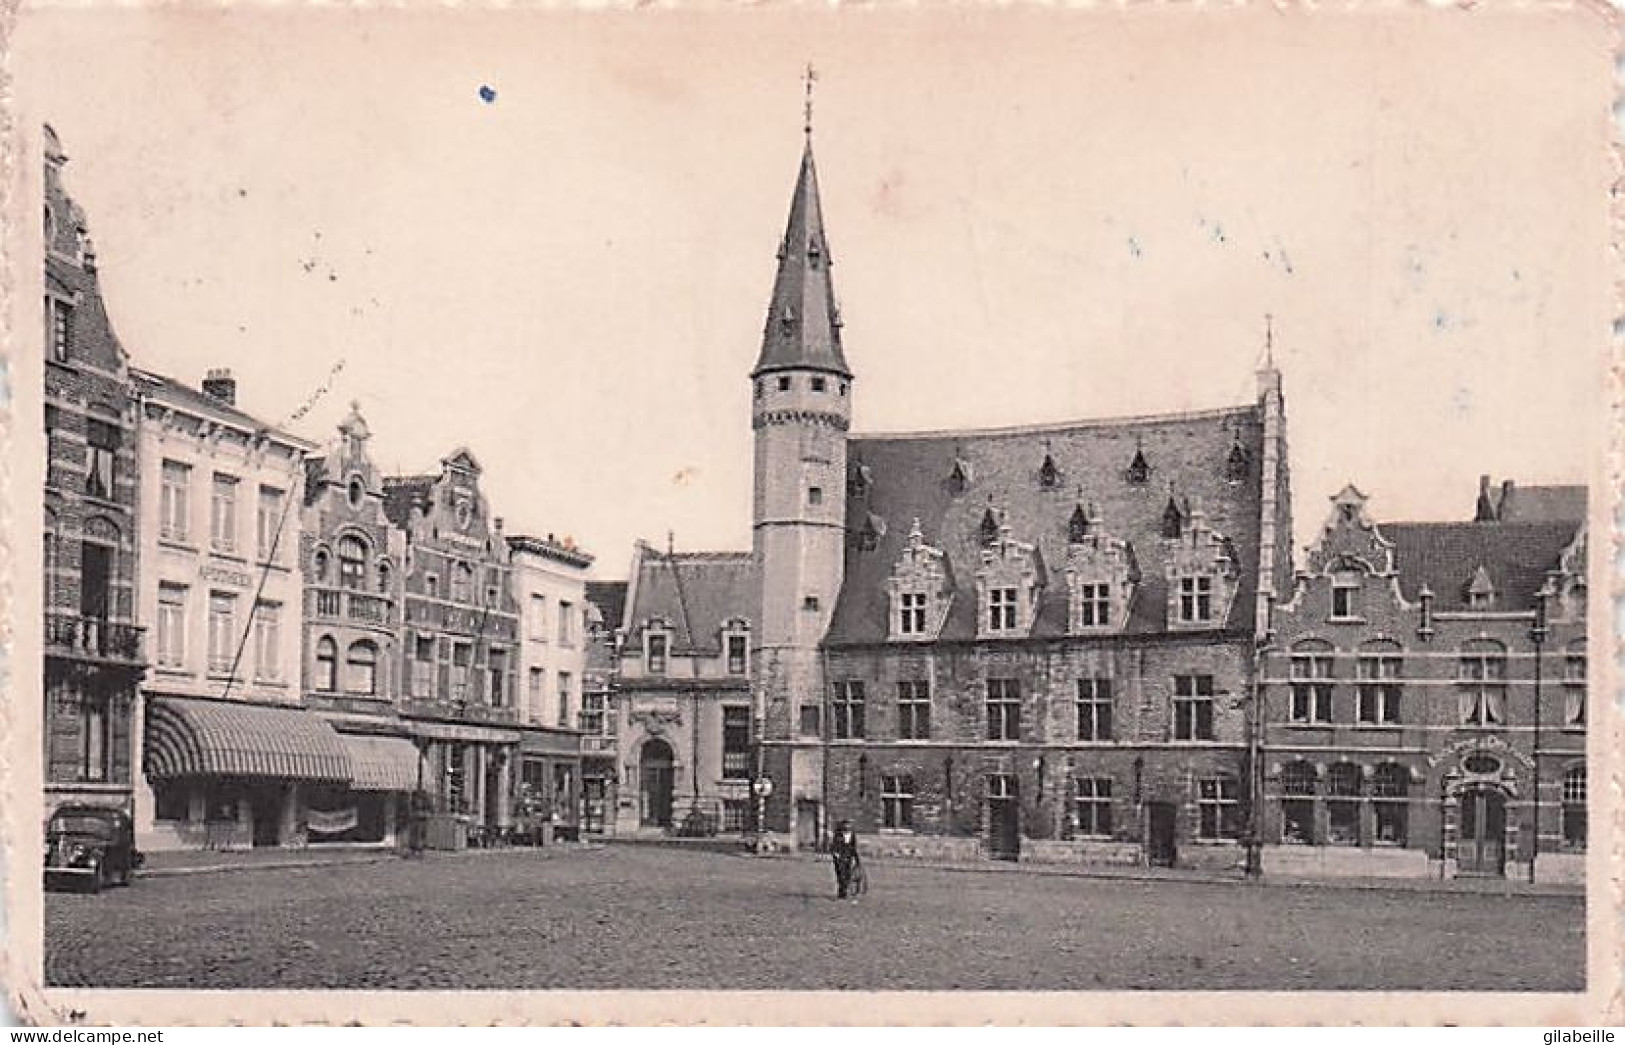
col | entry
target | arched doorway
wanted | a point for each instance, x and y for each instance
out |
(655, 775)
(1483, 818)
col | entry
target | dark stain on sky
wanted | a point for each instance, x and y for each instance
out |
(488, 94)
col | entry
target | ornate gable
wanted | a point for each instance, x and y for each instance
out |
(1568, 581)
(1101, 575)
(1350, 540)
(1203, 575)
(919, 591)
(1007, 583)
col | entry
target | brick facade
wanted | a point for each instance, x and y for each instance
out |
(95, 655)
(1431, 768)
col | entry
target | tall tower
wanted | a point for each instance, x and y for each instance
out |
(801, 410)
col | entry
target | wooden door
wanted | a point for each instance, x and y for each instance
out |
(1482, 846)
(1162, 845)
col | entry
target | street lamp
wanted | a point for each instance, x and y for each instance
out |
(1254, 865)
(1537, 635)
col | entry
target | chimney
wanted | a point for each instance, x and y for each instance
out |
(218, 384)
(1485, 512)
(1504, 509)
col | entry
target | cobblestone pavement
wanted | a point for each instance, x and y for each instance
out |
(635, 917)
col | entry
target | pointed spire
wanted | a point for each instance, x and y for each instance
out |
(803, 329)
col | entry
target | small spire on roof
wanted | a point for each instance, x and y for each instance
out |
(808, 78)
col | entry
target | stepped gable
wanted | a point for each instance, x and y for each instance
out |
(697, 593)
(1444, 558)
(914, 477)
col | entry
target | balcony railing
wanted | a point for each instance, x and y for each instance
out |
(598, 745)
(362, 607)
(92, 637)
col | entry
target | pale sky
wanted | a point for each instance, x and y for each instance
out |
(1036, 215)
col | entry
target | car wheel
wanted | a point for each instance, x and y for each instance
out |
(96, 877)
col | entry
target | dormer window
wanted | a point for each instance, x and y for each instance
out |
(1203, 575)
(1481, 590)
(989, 528)
(1007, 586)
(1049, 476)
(1100, 578)
(1195, 600)
(1094, 605)
(1001, 609)
(1138, 471)
(919, 590)
(1173, 521)
(1077, 527)
(1236, 463)
(911, 613)
(656, 648)
(959, 476)
(859, 480)
(787, 319)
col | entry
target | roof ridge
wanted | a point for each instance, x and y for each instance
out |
(1212, 413)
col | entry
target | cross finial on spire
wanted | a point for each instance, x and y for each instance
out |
(1269, 340)
(808, 78)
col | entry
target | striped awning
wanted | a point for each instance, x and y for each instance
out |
(192, 738)
(381, 763)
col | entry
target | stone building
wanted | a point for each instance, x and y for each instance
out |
(549, 577)
(230, 758)
(353, 563)
(94, 653)
(459, 642)
(684, 692)
(1027, 643)
(600, 706)
(1424, 695)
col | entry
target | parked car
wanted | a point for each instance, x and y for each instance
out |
(89, 847)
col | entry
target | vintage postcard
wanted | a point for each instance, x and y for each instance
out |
(560, 514)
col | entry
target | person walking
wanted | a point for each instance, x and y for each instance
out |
(845, 850)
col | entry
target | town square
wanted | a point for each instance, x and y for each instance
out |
(625, 917)
(571, 523)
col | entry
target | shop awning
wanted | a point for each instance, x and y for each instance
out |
(381, 763)
(192, 738)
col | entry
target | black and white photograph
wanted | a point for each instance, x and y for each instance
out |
(1033, 504)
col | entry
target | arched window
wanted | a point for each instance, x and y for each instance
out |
(1298, 803)
(1343, 804)
(1390, 788)
(383, 578)
(321, 565)
(353, 563)
(1574, 808)
(361, 668)
(327, 660)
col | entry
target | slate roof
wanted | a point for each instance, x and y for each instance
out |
(1542, 504)
(401, 492)
(610, 598)
(696, 592)
(803, 327)
(1445, 557)
(909, 478)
